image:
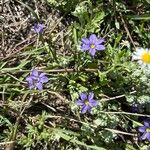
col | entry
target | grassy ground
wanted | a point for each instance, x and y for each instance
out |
(50, 119)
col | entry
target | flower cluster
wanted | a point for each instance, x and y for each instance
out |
(36, 80)
(86, 100)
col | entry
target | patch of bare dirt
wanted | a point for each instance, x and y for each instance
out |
(17, 20)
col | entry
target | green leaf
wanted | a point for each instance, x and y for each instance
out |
(141, 17)
(136, 124)
(74, 141)
(23, 63)
(148, 1)
(3, 65)
(102, 78)
(129, 147)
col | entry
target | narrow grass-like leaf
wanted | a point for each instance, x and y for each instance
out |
(141, 17)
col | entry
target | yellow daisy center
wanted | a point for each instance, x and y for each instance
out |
(148, 130)
(86, 102)
(92, 45)
(146, 57)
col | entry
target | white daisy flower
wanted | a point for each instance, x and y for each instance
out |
(142, 55)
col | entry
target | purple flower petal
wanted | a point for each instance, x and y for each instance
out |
(39, 85)
(99, 41)
(148, 136)
(35, 78)
(34, 72)
(42, 74)
(89, 109)
(31, 86)
(142, 129)
(80, 102)
(83, 96)
(144, 136)
(146, 123)
(85, 47)
(85, 108)
(93, 38)
(44, 79)
(29, 78)
(100, 47)
(92, 51)
(93, 102)
(38, 28)
(86, 41)
(90, 96)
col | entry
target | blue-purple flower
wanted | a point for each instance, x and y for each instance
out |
(145, 130)
(36, 79)
(135, 108)
(86, 101)
(92, 44)
(38, 27)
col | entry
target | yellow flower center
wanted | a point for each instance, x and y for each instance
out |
(148, 130)
(92, 46)
(86, 102)
(146, 57)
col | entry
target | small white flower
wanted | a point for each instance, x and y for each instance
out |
(125, 43)
(142, 55)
